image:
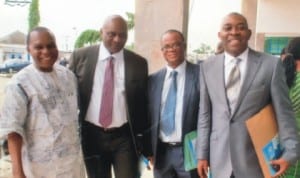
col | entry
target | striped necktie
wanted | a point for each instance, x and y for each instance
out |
(233, 85)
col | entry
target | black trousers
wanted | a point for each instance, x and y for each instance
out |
(106, 149)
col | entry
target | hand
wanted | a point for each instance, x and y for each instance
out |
(151, 159)
(282, 166)
(202, 168)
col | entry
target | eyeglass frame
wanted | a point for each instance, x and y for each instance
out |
(175, 46)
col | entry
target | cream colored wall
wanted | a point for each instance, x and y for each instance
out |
(152, 18)
(249, 10)
(278, 17)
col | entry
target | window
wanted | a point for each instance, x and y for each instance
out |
(274, 45)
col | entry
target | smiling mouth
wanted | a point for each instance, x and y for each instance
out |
(172, 55)
(47, 60)
(234, 42)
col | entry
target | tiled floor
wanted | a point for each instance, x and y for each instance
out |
(5, 167)
(6, 172)
(147, 174)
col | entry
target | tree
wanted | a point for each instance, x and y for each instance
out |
(34, 15)
(203, 49)
(88, 37)
(130, 20)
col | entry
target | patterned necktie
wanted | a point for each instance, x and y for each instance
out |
(106, 109)
(233, 85)
(167, 124)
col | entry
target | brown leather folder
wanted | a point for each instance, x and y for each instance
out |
(262, 128)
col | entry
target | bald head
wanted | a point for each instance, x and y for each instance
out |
(234, 34)
(234, 15)
(114, 33)
(114, 19)
(39, 29)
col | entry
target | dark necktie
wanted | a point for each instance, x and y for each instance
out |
(167, 124)
(233, 85)
(106, 109)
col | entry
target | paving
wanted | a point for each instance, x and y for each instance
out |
(5, 167)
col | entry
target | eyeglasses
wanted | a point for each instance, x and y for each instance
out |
(172, 46)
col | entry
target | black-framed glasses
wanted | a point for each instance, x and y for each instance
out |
(172, 46)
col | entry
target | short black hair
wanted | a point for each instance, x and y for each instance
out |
(293, 48)
(174, 31)
(292, 53)
(38, 29)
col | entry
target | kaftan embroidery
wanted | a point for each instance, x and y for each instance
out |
(42, 108)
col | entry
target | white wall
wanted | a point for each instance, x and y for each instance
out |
(278, 17)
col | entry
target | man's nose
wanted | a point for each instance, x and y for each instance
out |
(45, 50)
(235, 30)
(118, 38)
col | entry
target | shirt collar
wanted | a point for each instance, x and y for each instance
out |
(104, 53)
(243, 56)
(179, 69)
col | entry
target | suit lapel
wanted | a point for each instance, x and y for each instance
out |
(219, 77)
(91, 64)
(127, 70)
(253, 64)
(159, 83)
(189, 82)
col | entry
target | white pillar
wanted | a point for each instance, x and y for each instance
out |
(152, 18)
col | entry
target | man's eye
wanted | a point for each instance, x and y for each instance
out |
(227, 28)
(38, 47)
(241, 27)
(51, 46)
(168, 47)
(111, 34)
(123, 35)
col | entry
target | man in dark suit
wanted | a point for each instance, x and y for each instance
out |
(113, 112)
(235, 85)
(167, 142)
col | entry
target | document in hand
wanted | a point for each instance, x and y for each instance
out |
(263, 131)
(190, 159)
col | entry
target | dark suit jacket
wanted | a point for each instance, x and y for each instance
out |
(83, 63)
(190, 104)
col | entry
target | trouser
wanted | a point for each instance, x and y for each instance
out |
(170, 162)
(104, 149)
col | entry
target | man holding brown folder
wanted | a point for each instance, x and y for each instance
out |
(235, 85)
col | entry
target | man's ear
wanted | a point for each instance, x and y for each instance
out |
(100, 32)
(184, 46)
(249, 34)
(219, 35)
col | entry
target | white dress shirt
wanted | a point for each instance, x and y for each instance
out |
(119, 103)
(229, 63)
(176, 135)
